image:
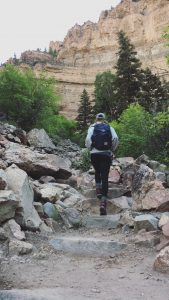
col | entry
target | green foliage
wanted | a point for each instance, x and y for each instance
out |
(53, 53)
(128, 74)
(131, 128)
(79, 138)
(24, 98)
(130, 84)
(105, 100)
(153, 95)
(141, 132)
(84, 162)
(57, 125)
(166, 37)
(158, 139)
(85, 112)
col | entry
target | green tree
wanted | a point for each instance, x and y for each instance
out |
(158, 138)
(132, 127)
(57, 125)
(52, 52)
(24, 97)
(85, 114)
(128, 73)
(104, 94)
(153, 95)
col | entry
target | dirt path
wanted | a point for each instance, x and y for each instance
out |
(47, 274)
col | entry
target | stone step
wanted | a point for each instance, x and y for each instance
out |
(114, 206)
(114, 192)
(58, 293)
(87, 246)
(101, 222)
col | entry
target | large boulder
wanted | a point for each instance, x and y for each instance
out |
(147, 192)
(148, 222)
(161, 263)
(13, 230)
(52, 192)
(18, 182)
(3, 181)
(40, 139)
(119, 204)
(37, 164)
(19, 247)
(8, 205)
(124, 162)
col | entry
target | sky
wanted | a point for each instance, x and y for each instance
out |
(31, 24)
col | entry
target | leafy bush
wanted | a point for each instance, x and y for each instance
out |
(79, 138)
(132, 129)
(24, 97)
(158, 138)
(57, 125)
(84, 162)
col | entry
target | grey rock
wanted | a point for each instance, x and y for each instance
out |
(14, 230)
(3, 234)
(114, 192)
(161, 176)
(119, 204)
(3, 180)
(36, 164)
(73, 216)
(18, 181)
(87, 246)
(148, 222)
(51, 211)
(19, 247)
(8, 205)
(39, 208)
(101, 222)
(40, 139)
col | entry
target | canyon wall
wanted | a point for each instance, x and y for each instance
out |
(92, 48)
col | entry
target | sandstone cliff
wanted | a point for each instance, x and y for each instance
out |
(92, 48)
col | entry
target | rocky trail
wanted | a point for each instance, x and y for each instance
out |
(53, 242)
(51, 274)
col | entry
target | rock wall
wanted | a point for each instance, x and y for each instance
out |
(92, 48)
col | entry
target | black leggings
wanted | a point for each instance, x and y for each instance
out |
(101, 164)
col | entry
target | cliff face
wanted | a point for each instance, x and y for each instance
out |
(91, 48)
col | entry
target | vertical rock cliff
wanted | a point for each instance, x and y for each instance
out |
(92, 48)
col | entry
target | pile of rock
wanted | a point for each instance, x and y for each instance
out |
(40, 191)
(138, 202)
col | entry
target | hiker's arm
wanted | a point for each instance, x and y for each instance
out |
(88, 141)
(115, 139)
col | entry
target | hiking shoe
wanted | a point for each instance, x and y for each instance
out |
(99, 192)
(103, 206)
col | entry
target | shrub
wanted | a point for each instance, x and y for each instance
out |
(57, 125)
(84, 162)
(24, 97)
(79, 138)
(132, 129)
(158, 138)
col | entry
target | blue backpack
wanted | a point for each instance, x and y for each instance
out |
(102, 137)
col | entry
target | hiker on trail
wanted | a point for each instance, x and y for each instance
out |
(101, 140)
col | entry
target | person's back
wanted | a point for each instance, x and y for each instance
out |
(102, 137)
(101, 140)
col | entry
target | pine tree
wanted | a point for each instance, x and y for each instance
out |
(128, 73)
(105, 100)
(85, 114)
(153, 95)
